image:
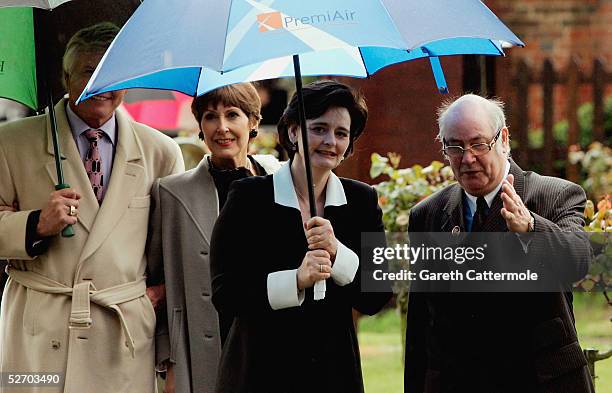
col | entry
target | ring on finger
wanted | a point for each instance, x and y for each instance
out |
(72, 211)
(321, 268)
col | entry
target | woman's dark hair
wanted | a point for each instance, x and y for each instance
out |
(319, 97)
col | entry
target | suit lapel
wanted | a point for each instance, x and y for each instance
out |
(126, 178)
(200, 200)
(72, 165)
(454, 211)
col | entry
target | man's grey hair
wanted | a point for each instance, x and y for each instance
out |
(92, 39)
(494, 107)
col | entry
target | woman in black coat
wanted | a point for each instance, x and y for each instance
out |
(267, 253)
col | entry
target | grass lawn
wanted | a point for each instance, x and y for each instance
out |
(381, 345)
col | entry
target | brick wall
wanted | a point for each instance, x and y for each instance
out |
(402, 101)
(559, 30)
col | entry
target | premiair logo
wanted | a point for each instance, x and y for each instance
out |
(271, 21)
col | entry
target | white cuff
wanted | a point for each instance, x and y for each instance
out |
(346, 265)
(283, 291)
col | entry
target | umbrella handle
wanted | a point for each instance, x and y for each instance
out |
(68, 231)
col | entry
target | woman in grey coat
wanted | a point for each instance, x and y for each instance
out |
(185, 208)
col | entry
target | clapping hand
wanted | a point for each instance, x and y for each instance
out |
(515, 212)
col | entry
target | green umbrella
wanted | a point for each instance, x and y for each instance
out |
(17, 57)
(32, 46)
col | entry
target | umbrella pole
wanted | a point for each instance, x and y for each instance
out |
(68, 231)
(319, 287)
(302, 113)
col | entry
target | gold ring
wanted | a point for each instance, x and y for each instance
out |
(72, 211)
(321, 268)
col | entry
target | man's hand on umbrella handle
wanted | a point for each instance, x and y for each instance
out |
(320, 236)
(57, 213)
(315, 266)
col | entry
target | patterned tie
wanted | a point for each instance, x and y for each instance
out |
(480, 215)
(93, 164)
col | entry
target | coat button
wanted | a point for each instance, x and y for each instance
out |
(55, 344)
(205, 294)
(204, 252)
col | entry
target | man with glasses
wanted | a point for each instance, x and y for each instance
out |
(497, 342)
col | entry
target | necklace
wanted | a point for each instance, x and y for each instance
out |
(248, 166)
(299, 194)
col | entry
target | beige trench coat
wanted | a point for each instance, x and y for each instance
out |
(107, 250)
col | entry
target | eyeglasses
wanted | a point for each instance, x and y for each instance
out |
(477, 149)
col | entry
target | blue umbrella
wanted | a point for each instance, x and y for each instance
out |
(194, 46)
(354, 62)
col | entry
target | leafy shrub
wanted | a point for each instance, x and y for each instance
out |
(585, 123)
(596, 164)
(599, 223)
(405, 187)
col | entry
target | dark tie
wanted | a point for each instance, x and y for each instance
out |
(480, 215)
(93, 165)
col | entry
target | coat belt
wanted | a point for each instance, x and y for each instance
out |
(82, 295)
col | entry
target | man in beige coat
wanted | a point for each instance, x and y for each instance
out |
(77, 306)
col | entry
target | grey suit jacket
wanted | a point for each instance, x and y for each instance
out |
(184, 210)
(502, 342)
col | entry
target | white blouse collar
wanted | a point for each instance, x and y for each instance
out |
(284, 193)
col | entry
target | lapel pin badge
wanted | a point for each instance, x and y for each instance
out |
(456, 230)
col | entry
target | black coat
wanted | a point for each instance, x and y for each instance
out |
(308, 348)
(502, 342)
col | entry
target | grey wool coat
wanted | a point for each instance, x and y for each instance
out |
(184, 211)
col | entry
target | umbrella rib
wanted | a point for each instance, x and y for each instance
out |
(225, 35)
(198, 84)
(365, 67)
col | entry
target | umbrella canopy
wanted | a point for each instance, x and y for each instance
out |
(351, 61)
(179, 41)
(226, 35)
